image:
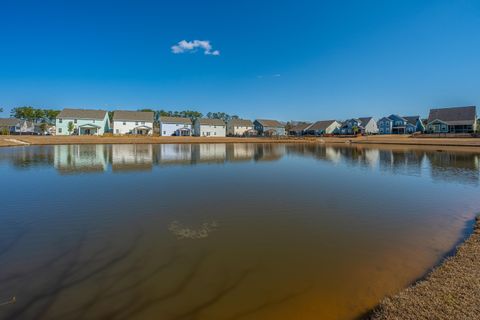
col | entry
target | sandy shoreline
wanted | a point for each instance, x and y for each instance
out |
(472, 144)
(450, 291)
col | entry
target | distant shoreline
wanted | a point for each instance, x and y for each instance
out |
(450, 291)
(466, 144)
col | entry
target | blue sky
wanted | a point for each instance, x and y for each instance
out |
(290, 60)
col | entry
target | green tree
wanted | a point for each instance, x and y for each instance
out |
(70, 127)
(43, 127)
(355, 130)
(1, 110)
(51, 114)
(24, 113)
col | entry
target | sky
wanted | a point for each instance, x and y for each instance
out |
(274, 59)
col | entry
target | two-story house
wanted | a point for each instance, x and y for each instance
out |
(83, 122)
(323, 127)
(133, 122)
(269, 127)
(365, 125)
(239, 127)
(209, 128)
(175, 126)
(395, 124)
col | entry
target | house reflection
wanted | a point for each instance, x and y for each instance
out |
(174, 154)
(209, 153)
(454, 167)
(80, 158)
(240, 152)
(132, 157)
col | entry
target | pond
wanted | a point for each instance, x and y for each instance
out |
(224, 231)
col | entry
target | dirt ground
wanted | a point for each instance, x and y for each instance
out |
(451, 291)
(376, 140)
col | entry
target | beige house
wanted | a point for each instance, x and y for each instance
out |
(239, 127)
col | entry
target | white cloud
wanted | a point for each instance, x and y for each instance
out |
(192, 46)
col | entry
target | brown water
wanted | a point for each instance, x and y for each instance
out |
(215, 231)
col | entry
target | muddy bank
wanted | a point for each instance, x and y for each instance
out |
(450, 291)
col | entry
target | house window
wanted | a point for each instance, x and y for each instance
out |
(74, 120)
(118, 131)
(136, 123)
(93, 121)
(59, 120)
(164, 132)
(59, 130)
(124, 123)
(143, 122)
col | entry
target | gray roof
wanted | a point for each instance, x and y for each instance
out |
(454, 116)
(240, 123)
(321, 125)
(133, 116)
(9, 122)
(412, 119)
(365, 120)
(300, 127)
(270, 123)
(175, 120)
(82, 114)
(211, 122)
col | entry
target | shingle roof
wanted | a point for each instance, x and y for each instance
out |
(82, 114)
(9, 122)
(241, 123)
(175, 120)
(412, 119)
(365, 120)
(454, 116)
(211, 122)
(300, 127)
(321, 125)
(133, 116)
(270, 123)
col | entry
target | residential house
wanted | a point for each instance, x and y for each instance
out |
(452, 120)
(366, 125)
(16, 126)
(299, 129)
(209, 128)
(133, 122)
(395, 124)
(85, 122)
(239, 127)
(175, 126)
(269, 127)
(323, 127)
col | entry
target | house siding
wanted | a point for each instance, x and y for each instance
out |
(127, 127)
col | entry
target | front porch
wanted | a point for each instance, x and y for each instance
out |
(88, 129)
(142, 130)
(183, 132)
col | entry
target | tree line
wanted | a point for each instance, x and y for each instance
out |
(34, 114)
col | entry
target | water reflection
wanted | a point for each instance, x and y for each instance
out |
(235, 231)
(444, 166)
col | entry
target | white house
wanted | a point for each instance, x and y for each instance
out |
(209, 128)
(16, 126)
(239, 127)
(84, 122)
(175, 126)
(323, 127)
(133, 122)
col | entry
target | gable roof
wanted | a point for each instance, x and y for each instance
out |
(321, 125)
(454, 116)
(82, 114)
(365, 120)
(240, 123)
(9, 122)
(133, 116)
(211, 122)
(175, 120)
(270, 123)
(412, 119)
(300, 127)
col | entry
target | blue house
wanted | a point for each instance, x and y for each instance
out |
(269, 127)
(395, 124)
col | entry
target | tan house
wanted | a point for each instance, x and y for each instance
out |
(239, 127)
